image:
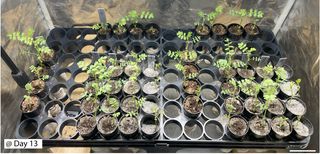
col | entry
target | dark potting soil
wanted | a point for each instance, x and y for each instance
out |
(190, 86)
(253, 105)
(202, 30)
(192, 104)
(90, 105)
(131, 87)
(107, 124)
(54, 110)
(237, 126)
(49, 130)
(38, 86)
(189, 70)
(86, 124)
(136, 31)
(152, 31)
(128, 125)
(219, 29)
(281, 127)
(30, 104)
(245, 73)
(295, 107)
(104, 31)
(129, 104)
(236, 30)
(301, 128)
(120, 30)
(259, 126)
(150, 126)
(251, 29)
(208, 93)
(232, 90)
(276, 107)
(235, 103)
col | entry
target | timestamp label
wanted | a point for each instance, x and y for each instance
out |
(23, 143)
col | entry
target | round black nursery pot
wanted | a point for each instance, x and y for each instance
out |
(73, 109)
(54, 108)
(129, 126)
(213, 130)
(259, 127)
(150, 126)
(237, 127)
(87, 126)
(252, 31)
(68, 129)
(136, 31)
(172, 109)
(209, 92)
(270, 49)
(59, 92)
(48, 129)
(173, 129)
(152, 31)
(120, 35)
(267, 35)
(211, 110)
(235, 31)
(27, 129)
(35, 105)
(276, 108)
(295, 107)
(108, 126)
(219, 32)
(281, 128)
(302, 128)
(193, 129)
(41, 93)
(105, 33)
(192, 107)
(203, 31)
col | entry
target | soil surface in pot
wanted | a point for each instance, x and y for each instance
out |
(117, 71)
(281, 127)
(190, 86)
(68, 132)
(150, 107)
(107, 124)
(119, 30)
(115, 86)
(190, 70)
(227, 73)
(31, 104)
(253, 105)
(128, 125)
(131, 87)
(236, 30)
(154, 32)
(47, 56)
(202, 30)
(150, 126)
(86, 124)
(90, 105)
(129, 104)
(245, 73)
(193, 104)
(54, 110)
(77, 93)
(238, 107)
(289, 88)
(219, 29)
(110, 105)
(132, 70)
(295, 107)
(276, 107)
(230, 89)
(251, 29)
(150, 72)
(259, 126)
(49, 130)
(136, 31)
(151, 88)
(38, 86)
(301, 128)
(237, 126)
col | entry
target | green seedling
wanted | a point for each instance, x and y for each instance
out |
(281, 74)
(249, 87)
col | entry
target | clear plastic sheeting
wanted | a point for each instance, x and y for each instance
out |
(298, 37)
(16, 15)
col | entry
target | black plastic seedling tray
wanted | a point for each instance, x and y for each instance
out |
(209, 129)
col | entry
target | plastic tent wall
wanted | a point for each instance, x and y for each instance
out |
(298, 36)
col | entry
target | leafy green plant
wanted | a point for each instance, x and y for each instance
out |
(251, 13)
(132, 114)
(37, 71)
(268, 69)
(134, 16)
(269, 89)
(102, 28)
(246, 50)
(157, 113)
(249, 87)
(29, 88)
(140, 101)
(282, 122)
(281, 74)
(227, 91)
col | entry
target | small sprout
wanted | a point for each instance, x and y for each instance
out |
(132, 114)
(116, 114)
(283, 120)
(230, 108)
(139, 102)
(249, 87)
(281, 74)
(29, 88)
(268, 69)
